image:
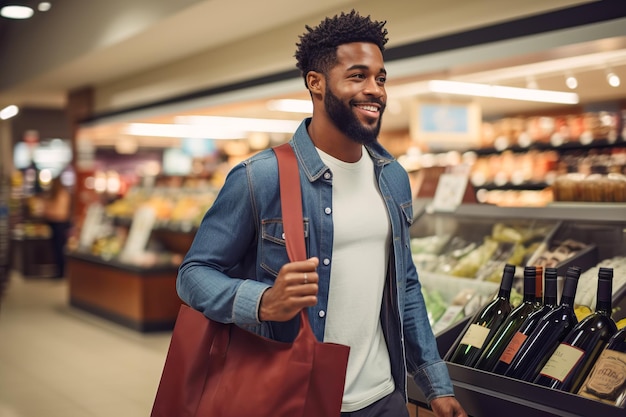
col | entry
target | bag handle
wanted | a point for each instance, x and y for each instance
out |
(291, 202)
(293, 223)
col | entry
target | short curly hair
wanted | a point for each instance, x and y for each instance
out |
(317, 49)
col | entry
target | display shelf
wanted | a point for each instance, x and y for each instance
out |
(141, 298)
(545, 146)
(484, 394)
(527, 185)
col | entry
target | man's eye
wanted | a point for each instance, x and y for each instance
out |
(382, 80)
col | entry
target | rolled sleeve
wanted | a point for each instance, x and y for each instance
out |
(247, 302)
(434, 381)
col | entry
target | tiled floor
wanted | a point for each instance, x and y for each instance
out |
(57, 361)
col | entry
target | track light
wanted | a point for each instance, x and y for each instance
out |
(571, 82)
(44, 6)
(612, 78)
(495, 91)
(16, 12)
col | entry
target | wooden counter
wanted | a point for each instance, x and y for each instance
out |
(143, 299)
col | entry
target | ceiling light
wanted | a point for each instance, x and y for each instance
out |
(571, 82)
(241, 123)
(211, 127)
(496, 91)
(612, 78)
(289, 105)
(8, 112)
(182, 131)
(16, 12)
(44, 6)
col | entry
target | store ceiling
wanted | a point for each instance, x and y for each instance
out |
(49, 88)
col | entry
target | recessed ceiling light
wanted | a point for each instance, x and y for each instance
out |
(44, 6)
(571, 82)
(612, 79)
(16, 12)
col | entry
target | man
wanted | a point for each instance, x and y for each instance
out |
(360, 285)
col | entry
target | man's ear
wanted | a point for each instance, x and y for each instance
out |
(315, 81)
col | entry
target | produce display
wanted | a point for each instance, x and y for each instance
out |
(559, 252)
(587, 292)
(482, 259)
(171, 205)
(176, 210)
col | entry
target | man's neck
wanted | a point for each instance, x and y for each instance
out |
(332, 141)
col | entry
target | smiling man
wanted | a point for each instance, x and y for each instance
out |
(359, 284)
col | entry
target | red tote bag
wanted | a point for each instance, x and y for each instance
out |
(220, 370)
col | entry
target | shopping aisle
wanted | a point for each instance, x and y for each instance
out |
(57, 361)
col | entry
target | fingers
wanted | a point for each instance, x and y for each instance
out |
(295, 288)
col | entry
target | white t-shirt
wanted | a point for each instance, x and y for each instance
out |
(357, 279)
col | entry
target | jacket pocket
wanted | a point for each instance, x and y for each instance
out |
(273, 250)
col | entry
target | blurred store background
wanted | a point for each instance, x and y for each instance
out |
(141, 107)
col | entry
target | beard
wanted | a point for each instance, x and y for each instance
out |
(348, 123)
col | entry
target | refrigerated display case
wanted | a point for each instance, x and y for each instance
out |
(601, 228)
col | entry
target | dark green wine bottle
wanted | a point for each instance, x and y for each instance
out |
(549, 304)
(491, 354)
(570, 363)
(485, 323)
(535, 350)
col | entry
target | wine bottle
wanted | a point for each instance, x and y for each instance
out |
(607, 380)
(572, 360)
(527, 327)
(538, 286)
(501, 338)
(535, 350)
(485, 323)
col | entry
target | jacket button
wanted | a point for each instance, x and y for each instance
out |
(327, 175)
(321, 313)
(328, 210)
(326, 261)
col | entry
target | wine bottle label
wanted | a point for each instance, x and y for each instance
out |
(513, 347)
(562, 362)
(475, 336)
(607, 380)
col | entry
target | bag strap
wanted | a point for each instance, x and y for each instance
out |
(293, 223)
(291, 201)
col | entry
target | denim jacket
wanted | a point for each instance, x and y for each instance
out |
(239, 248)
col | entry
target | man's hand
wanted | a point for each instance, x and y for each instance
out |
(295, 288)
(447, 407)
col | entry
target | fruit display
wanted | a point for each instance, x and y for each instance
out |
(173, 206)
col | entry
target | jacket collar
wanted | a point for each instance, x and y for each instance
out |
(312, 164)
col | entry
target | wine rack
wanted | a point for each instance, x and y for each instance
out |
(484, 394)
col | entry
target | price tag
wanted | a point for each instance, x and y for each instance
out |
(449, 192)
(91, 226)
(139, 233)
